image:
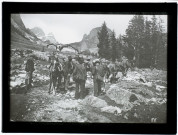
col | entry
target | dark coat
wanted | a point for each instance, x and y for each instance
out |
(98, 72)
(29, 65)
(68, 67)
(79, 72)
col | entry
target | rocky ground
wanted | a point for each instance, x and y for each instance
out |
(140, 97)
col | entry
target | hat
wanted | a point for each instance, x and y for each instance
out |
(69, 57)
(96, 61)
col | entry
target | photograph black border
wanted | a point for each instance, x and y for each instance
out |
(169, 9)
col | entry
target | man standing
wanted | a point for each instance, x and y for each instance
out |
(98, 75)
(80, 76)
(112, 70)
(59, 73)
(125, 65)
(77, 57)
(68, 70)
(87, 65)
(29, 68)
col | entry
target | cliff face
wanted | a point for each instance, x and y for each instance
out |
(38, 32)
(41, 35)
(90, 41)
(37, 36)
(19, 30)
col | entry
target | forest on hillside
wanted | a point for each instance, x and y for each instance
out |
(144, 43)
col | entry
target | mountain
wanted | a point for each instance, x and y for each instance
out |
(49, 38)
(38, 32)
(90, 41)
(22, 37)
(18, 26)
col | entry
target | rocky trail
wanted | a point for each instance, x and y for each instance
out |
(140, 97)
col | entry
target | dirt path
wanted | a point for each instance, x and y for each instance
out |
(38, 105)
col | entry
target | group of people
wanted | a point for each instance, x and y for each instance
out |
(77, 68)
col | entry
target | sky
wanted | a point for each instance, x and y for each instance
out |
(69, 28)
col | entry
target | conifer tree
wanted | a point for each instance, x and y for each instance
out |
(103, 45)
(134, 36)
(119, 47)
(147, 52)
(154, 39)
(114, 47)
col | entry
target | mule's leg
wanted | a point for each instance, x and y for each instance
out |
(59, 81)
(52, 86)
(55, 85)
(104, 87)
(50, 83)
(49, 86)
(65, 79)
(77, 93)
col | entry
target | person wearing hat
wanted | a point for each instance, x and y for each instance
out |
(55, 69)
(87, 65)
(59, 72)
(68, 70)
(77, 57)
(29, 68)
(80, 76)
(98, 73)
(104, 63)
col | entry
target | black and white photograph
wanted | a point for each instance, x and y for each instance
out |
(88, 68)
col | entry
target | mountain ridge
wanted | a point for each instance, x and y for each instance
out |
(48, 38)
(90, 41)
(36, 35)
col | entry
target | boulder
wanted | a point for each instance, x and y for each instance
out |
(119, 95)
(135, 76)
(94, 102)
(22, 75)
(149, 84)
(119, 75)
(111, 109)
(160, 88)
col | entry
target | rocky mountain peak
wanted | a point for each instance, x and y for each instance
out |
(38, 32)
(91, 40)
